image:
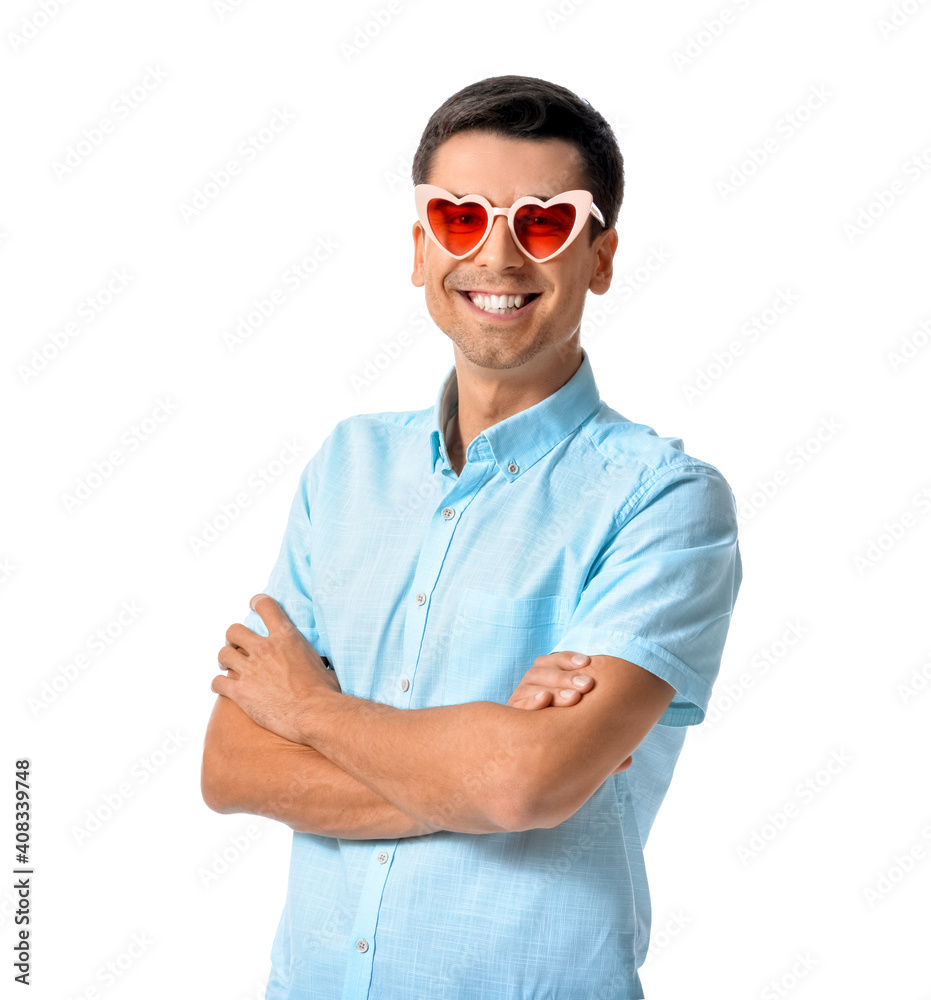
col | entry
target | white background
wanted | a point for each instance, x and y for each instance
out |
(762, 885)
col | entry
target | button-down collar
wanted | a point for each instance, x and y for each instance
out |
(520, 440)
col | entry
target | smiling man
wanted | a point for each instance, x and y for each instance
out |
(524, 598)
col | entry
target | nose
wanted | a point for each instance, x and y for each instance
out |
(499, 250)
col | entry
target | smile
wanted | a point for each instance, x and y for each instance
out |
(501, 305)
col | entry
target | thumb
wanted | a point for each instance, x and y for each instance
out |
(271, 612)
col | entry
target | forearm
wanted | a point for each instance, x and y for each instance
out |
(463, 767)
(248, 769)
(482, 767)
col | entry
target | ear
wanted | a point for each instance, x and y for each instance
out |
(417, 275)
(603, 248)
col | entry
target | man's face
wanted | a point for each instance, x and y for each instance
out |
(502, 170)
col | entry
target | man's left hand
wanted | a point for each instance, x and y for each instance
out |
(275, 679)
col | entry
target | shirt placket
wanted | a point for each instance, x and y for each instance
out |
(431, 560)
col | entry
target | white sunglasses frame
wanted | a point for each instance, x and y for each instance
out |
(582, 201)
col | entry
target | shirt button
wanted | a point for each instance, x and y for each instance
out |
(449, 513)
(421, 598)
(513, 467)
(405, 684)
(382, 857)
(362, 945)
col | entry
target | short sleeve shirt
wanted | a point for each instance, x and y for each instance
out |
(569, 527)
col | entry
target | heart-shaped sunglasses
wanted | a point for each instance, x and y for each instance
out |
(542, 229)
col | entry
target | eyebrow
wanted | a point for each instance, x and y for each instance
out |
(540, 197)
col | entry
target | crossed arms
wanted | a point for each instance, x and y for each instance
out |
(284, 742)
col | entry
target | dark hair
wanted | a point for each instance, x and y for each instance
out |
(524, 107)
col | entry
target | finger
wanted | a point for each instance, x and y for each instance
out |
(230, 657)
(530, 696)
(530, 699)
(623, 765)
(566, 697)
(221, 685)
(271, 613)
(556, 679)
(563, 660)
(238, 635)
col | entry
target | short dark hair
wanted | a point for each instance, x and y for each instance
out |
(525, 107)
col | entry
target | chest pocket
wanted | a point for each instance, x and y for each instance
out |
(496, 638)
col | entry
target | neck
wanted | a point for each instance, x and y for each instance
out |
(488, 396)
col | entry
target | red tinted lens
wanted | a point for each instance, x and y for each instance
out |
(457, 227)
(542, 230)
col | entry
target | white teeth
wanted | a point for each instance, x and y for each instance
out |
(497, 303)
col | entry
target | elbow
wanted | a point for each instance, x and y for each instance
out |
(534, 815)
(530, 805)
(213, 788)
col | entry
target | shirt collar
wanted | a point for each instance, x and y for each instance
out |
(518, 442)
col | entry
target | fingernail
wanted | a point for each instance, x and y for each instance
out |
(580, 680)
(566, 694)
(538, 695)
(580, 659)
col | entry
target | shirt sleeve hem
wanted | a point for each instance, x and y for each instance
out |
(693, 692)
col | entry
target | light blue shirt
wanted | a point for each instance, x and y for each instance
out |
(569, 527)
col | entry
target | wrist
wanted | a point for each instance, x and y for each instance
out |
(312, 722)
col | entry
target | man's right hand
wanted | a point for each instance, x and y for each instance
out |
(555, 680)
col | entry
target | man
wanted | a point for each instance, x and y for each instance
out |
(463, 828)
